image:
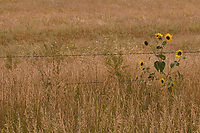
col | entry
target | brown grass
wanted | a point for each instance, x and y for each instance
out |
(43, 94)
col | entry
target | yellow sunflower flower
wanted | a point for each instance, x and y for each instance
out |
(136, 77)
(158, 36)
(168, 37)
(141, 64)
(179, 53)
(173, 85)
(162, 81)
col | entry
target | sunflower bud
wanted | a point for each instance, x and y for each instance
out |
(146, 43)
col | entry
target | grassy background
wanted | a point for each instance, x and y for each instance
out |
(35, 96)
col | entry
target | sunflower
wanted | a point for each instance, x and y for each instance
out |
(168, 37)
(162, 81)
(141, 64)
(179, 53)
(173, 85)
(136, 77)
(158, 36)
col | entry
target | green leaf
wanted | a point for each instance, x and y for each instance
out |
(159, 46)
(145, 71)
(164, 42)
(153, 73)
(147, 68)
(151, 76)
(162, 56)
(177, 64)
(184, 58)
(179, 74)
(151, 56)
(159, 65)
(173, 64)
(156, 65)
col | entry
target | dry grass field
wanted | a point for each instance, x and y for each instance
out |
(78, 93)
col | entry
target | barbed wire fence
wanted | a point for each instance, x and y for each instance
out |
(85, 55)
(79, 55)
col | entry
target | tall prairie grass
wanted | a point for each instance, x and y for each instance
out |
(85, 94)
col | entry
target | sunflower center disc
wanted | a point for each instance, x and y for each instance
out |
(168, 37)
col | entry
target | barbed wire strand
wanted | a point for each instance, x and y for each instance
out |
(79, 55)
(87, 83)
